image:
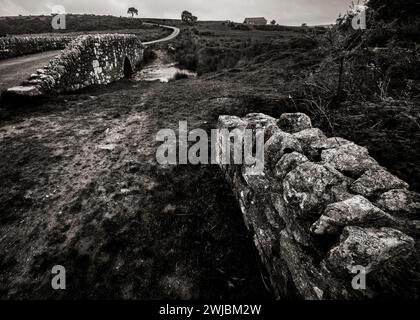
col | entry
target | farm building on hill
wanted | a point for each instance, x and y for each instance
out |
(256, 21)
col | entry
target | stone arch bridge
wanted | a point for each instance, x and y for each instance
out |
(86, 61)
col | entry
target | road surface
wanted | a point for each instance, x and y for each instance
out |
(172, 36)
(15, 70)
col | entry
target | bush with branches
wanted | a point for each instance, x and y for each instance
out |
(379, 63)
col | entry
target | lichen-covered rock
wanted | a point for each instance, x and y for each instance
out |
(270, 130)
(400, 202)
(296, 231)
(231, 122)
(349, 159)
(341, 191)
(288, 163)
(376, 181)
(309, 186)
(259, 120)
(27, 91)
(369, 248)
(306, 277)
(306, 188)
(330, 143)
(260, 182)
(308, 137)
(356, 211)
(278, 145)
(294, 122)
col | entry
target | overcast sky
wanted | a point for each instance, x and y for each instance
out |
(289, 12)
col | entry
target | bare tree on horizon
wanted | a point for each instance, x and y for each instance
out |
(133, 11)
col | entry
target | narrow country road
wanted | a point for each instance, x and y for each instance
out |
(172, 36)
(13, 71)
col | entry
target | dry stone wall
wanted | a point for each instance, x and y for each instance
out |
(87, 60)
(324, 208)
(11, 47)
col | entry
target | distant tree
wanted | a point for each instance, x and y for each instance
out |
(304, 25)
(231, 24)
(133, 11)
(188, 18)
(273, 22)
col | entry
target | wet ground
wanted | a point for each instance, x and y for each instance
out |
(162, 69)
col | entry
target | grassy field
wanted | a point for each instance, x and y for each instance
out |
(128, 228)
(77, 24)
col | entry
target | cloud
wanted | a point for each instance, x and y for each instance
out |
(284, 11)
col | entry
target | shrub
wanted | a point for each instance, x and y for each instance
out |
(148, 55)
(379, 34)
(304, 43)
(195, 31)
(389, 10)
(241, 27)
(206, 33)
(189, 61)
(180, 75)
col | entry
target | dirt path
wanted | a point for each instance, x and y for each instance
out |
(14, 71)
(79, 187)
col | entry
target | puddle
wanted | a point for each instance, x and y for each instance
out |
(162, 70)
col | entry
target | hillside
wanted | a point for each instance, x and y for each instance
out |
(74, 23)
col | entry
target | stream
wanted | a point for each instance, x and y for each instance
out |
(162, 69)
